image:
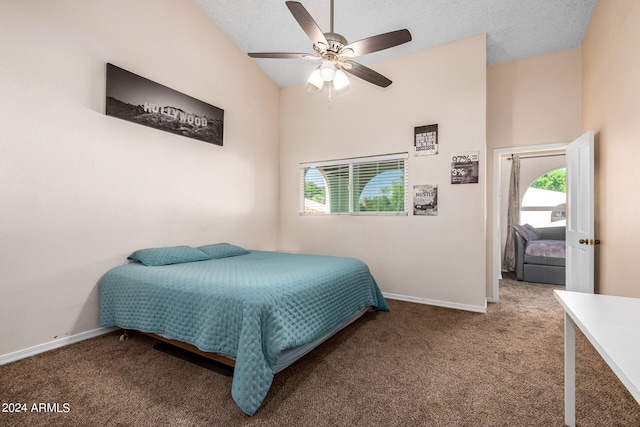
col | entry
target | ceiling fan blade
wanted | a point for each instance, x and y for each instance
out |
(366, 73)
(307, 23)
(376, 43)
(283, 55)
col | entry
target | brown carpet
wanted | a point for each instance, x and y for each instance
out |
(415, 366)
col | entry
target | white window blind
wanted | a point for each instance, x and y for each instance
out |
(357, 186)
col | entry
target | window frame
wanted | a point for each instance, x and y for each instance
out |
(350, 162)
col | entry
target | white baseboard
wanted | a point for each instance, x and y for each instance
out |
(41, 348)
(465, 307)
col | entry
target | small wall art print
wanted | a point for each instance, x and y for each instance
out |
(464, 167)
(137, 99)
(425, 140)
(425, 200)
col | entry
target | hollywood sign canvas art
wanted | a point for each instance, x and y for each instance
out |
(137, 99)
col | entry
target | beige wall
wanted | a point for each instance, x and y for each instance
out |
(80, 190)
(439, 259)
(530, 102)
(611, 108)
(534, 101)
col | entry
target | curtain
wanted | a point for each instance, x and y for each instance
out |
(513, 215)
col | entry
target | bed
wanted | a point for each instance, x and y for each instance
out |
(261, 309)
(540, 254)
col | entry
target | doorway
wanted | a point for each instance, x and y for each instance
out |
(501, 171)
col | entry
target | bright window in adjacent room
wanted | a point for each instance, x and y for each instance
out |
(544, 204)
(359, 186)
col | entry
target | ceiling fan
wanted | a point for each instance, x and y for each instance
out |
(336, 53)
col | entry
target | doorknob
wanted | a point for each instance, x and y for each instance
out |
(589, 242)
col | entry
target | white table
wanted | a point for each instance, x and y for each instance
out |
(612, 325)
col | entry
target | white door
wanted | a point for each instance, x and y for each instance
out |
(580, 238)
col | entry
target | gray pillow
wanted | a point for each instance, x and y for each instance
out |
(525, 232)
(533, 233)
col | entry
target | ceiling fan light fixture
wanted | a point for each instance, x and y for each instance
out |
(340, 81)
(336, 53)
(327, 71)
(315, 79)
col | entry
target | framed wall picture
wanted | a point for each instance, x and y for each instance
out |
(137, 99)
(464, 167)
(425, 200)
(425, 140)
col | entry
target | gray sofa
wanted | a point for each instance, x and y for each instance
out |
(540, 254)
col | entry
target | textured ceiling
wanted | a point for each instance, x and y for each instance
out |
(515, 29)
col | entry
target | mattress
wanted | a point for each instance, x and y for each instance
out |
(250, 308)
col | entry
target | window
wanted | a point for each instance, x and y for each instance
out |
(358, 186)
(544, 204)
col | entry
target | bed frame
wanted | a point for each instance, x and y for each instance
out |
(193, 349)
(288, 357)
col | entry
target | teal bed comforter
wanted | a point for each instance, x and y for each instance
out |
(249, 307)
